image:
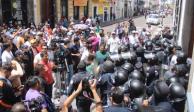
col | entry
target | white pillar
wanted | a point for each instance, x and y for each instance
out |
(37, 12)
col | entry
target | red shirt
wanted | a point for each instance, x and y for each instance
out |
(47, 75)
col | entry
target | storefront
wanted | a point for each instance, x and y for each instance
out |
(80, 9)
(14, 11)
(64, 4)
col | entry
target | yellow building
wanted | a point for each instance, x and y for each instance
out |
(103, 8)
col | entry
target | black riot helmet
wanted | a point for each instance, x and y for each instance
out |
(136, 88)
(149, 45)
(128, 67)
(172, 80)
(133, 58)
(177, 92)
(137, 75)
(153, 59)
(161, 89)
(107, 67)
(140, 52)
(181, 69)
(121, 77)
(181, 58)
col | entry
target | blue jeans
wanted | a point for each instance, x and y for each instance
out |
(70, 73)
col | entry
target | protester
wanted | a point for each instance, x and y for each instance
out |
(113, 43)
(47, 75)
(7, 54)
(34, 94)
(7, 95)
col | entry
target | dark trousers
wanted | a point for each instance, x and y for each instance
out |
(48, 90)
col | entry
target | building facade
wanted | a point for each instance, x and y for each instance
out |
(38, 11)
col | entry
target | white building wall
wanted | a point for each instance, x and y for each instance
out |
(119, 9)
(185, 24)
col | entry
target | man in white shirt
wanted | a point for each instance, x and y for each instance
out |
(133, 38)
(7, 55)
(38, 58)
(113, 43)
(89, 21)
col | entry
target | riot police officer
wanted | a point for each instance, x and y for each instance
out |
(152, 69)
(135, 90)
(128, 67)
(159, 100)
(181, 72)
(120, 77)
(83, 104)
(137, 75)
(105, 82)
(177, 96)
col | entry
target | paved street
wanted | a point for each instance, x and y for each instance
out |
(140, 23)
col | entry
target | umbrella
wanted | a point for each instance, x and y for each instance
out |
(80, 26)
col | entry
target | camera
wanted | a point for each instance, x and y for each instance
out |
(85, 82)
(34, 105)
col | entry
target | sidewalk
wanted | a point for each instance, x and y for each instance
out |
(108, 23)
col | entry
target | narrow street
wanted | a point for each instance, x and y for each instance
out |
(140, 23)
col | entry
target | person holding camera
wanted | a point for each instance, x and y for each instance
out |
(97, 100)
(34, 98)
(69, 61)
(15, 76)
(83, 103)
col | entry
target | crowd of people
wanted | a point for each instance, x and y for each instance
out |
(124, 70)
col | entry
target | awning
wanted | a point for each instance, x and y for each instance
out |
(80, 2)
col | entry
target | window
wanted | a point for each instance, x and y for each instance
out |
(95, 12)
(86, 11)
(76, 13)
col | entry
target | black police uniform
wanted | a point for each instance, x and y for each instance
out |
(116, 108)
(152, 73)
(83, 104)
(162, 106)
(75, 59)
(7, 95)
(105, 83)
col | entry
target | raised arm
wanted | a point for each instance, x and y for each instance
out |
(70, 99)
(97, 99)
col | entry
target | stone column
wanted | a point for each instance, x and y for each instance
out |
(81, 12)
(58, 10)
(70, 8)
(90, 12)
(37, 11)
(30, 11)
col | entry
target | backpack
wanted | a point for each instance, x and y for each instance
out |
(50, 105)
